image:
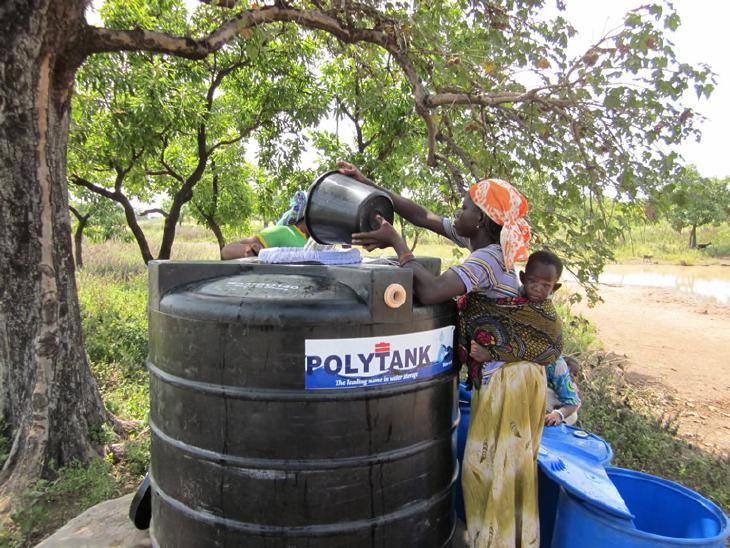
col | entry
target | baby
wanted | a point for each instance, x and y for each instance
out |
(514, 329)
(541, 275)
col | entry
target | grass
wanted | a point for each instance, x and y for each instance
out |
(47, 505)
(113, 296)
(642, 438)
(114, 318)
(664, 244)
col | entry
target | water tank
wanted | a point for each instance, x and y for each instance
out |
(291, 406)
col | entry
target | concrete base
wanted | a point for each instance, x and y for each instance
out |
(105, 525)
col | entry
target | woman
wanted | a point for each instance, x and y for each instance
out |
(499, 475)
(289, 231)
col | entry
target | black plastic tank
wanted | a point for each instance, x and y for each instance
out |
(291, 405)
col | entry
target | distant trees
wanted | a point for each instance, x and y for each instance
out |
(148, 125)
(96, 215)
(693, 201)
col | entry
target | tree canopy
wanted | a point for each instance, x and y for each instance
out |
(150, 126)
(441, 95)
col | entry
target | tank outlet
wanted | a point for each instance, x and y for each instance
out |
(395, 295)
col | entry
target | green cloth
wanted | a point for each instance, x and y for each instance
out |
(282, 236)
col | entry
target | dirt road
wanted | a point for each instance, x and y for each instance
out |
(678, 343)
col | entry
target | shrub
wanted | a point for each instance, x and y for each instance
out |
(114, 317)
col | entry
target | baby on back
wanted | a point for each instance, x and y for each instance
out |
(523, 328)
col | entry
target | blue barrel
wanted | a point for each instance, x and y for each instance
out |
(573, 441)
(665, 514)
(461, 432)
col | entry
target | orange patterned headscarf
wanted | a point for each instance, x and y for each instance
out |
(506, 207)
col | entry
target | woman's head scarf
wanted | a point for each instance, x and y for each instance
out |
(506, 207)
(295, 213)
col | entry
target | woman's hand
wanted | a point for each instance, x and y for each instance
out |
(478, 353)
(346, 168)
(385, 236)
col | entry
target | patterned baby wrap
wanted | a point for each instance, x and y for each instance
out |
(511, 329)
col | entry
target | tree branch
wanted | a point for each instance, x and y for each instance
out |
(79, 217)
(75, 179)
(489, 100)
(168, 168)
(220, 3)
(456, 181)
(225, 142)
(153, 210)
(100, 40)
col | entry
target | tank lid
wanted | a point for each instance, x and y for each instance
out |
(277, 288)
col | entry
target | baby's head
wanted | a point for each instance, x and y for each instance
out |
(541, 275)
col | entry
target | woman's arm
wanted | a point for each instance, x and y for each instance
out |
(432, 289)
(248, 247)
(429, 289)
(408, 209)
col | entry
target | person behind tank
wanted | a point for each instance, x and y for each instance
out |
(563, 394)
(289, 231)
(507, 416)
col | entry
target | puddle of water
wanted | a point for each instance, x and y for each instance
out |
(712, 282)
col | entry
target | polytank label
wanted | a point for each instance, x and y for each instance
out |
(370, 361)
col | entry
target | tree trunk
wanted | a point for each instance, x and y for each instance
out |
(140, 238)
(182, 197)
(78, 241)
(693, 237)
(119, 197)
(49, 400)
(210, 217)
(214, 227)
(79, 236)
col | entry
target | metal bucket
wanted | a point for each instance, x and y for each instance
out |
(339, 206)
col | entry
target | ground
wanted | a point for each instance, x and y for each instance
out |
(679, 344)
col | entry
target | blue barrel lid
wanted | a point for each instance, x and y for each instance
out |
(571, 439)
(583, 476)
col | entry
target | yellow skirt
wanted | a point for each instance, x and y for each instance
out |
(499, 476)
